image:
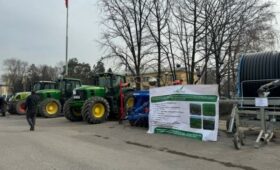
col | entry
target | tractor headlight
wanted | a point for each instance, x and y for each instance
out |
(74, 92)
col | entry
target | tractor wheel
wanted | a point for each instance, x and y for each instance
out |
(95, 110)
(71, 114)
(20, 107)
(11, 108)
(50, 108)
(129, 102)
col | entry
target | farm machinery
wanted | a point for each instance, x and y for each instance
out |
(138, 115)
(53, 95)
(16, 102)
(258, 101)
(52, 99)
(95, 103)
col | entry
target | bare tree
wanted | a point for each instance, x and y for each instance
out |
(33, 75)
(170, 49)
(125, 33)
(190, 22)
(15, 73)
(158, 20)
(198, 33)
(228, 21)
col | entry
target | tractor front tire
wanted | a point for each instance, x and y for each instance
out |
(50, 108)
(95, 110)
(70, 113)
(20, 107)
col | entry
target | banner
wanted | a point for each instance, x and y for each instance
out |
(189, 110)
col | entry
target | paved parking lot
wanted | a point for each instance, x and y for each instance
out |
(60, 144)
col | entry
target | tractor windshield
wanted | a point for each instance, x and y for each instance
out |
(41, 86)
(117, 80)
(104, 81)
(67, 85)
(111, 80)
(49, 86)
(37, 87)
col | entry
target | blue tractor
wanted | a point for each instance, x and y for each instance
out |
(139, 114)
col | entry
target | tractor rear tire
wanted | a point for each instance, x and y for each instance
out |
(50, 108)
(95, 110)
(11, 108)
(20, 107)
(129, 101)
(71, 113)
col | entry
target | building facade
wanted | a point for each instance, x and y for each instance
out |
(166, 78)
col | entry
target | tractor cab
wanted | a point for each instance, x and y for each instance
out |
(110, 81)
(67, 85)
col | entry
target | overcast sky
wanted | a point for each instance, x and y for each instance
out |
(34, 30)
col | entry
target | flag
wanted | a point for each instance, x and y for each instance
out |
(66, 3)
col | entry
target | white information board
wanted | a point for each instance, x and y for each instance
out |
(261, 102)
(189, 110)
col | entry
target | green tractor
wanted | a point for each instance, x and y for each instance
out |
(52, 100)
(16, 102)
(96, 103)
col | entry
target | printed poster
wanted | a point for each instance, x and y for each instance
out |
(189, 110)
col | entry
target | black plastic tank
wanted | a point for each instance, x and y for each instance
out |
(257, 69)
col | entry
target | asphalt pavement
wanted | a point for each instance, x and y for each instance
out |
(57, 144)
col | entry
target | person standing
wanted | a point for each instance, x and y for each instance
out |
(3, 106)
(31, 109)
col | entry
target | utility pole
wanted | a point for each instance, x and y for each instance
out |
(66, 46)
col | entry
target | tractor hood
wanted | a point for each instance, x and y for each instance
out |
(88, 87)
(20, 96)
(25, 93)
(48, 91)
(87, 91)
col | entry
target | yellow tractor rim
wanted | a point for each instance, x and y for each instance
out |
(130, 103)
(98, 110)
(52, 108)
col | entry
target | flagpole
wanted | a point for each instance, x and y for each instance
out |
(66, 46)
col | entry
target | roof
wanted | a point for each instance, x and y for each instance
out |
(69, 78)
(46, 82)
